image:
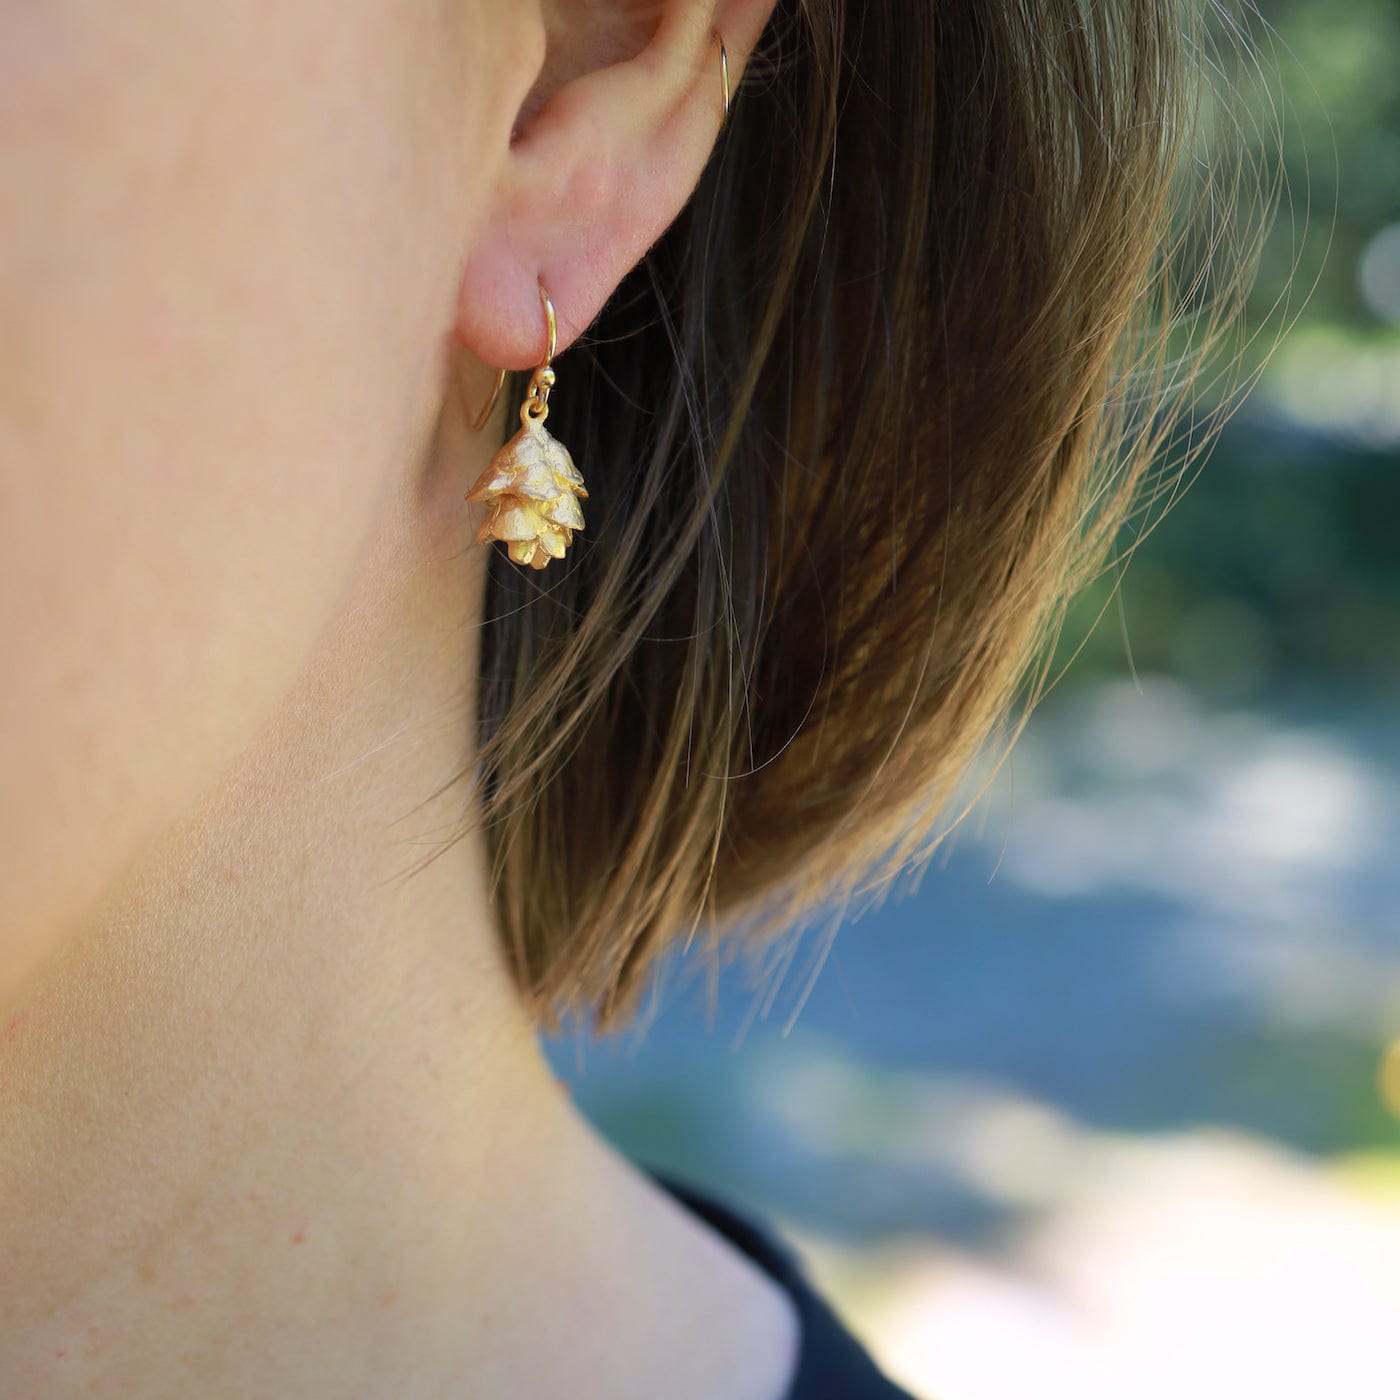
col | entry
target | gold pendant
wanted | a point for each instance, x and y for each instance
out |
(533, 488)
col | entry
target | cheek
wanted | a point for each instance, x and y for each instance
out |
(221, 303)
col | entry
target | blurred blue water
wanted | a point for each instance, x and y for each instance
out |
(1163, 914)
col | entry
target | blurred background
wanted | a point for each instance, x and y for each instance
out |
(1106, 1103)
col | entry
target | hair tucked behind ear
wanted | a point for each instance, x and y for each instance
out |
(854, 431)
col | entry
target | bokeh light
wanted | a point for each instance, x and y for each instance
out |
(1388, 1077)
(1378, 273)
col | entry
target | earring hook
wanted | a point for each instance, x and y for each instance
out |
(552, 336)
(549, 319)
(723, 75)
(485, 413)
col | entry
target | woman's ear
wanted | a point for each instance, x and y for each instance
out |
(603, 154)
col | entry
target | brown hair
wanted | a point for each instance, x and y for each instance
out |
(854, 431)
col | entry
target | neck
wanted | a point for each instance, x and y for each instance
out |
(275, 1122)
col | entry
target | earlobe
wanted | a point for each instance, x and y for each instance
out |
(608, 161)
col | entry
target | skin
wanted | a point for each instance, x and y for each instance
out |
(272, 1119)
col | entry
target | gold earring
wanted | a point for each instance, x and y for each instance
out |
(531, 483)
(723, 77)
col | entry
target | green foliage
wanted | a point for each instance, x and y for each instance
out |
(1279, 566)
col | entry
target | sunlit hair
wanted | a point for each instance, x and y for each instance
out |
(855, 431)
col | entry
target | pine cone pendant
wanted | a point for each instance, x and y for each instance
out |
(533, 488)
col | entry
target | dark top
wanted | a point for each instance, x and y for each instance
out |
(832, 1365)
